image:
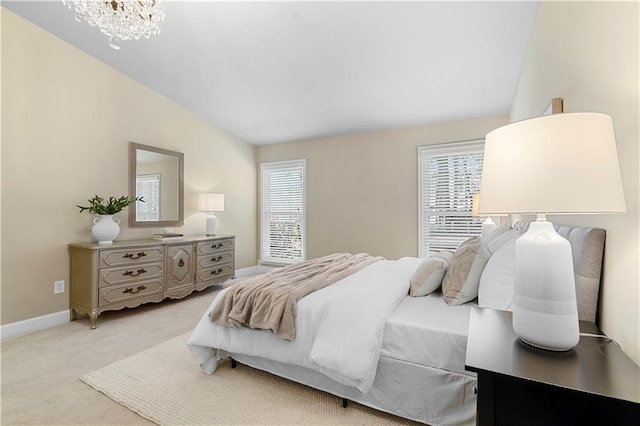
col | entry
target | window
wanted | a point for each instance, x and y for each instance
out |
(149, 189)
(449, 175)
(283, 212)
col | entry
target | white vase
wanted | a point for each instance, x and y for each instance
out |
(105, 228)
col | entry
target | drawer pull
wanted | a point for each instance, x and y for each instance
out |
(181, 263)
(132, 291)
(217, 246)
(137, 256)
(134, 274)
(216, 259)
(217, 271)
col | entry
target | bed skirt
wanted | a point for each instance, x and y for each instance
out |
(412, 391)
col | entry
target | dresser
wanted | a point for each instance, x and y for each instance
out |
(127, 274)
(593, 383)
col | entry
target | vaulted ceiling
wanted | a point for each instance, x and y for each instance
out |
(271, 72)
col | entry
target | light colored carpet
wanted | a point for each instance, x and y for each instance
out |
(165, 385)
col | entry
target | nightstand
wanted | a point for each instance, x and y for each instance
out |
(593, 383)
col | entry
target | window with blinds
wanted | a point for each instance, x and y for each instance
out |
(283, 212)
(149, 189)
(449, 175)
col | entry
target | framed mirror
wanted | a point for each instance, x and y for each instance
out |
(157, 175)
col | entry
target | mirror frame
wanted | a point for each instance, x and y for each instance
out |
(133, 223)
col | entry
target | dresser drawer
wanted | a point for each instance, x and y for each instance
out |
(130, 274)
(215, 259)
(121, 293)
(214, 274)
(111, 258)
(210, 247)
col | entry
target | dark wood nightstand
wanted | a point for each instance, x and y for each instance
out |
(593, 383)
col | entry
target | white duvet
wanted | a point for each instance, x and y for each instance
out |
(338, 328)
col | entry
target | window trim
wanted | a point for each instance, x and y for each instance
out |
(275, 165)
(462, 147)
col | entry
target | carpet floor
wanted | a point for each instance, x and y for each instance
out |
(165, 385)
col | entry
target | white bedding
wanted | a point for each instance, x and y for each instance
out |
(339, 328)
(427, 331)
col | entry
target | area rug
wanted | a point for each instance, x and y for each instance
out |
(165, 385)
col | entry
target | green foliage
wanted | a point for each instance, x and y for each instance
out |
(114, 205)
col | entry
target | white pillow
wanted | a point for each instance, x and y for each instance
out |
(428, 277)
(498, 277)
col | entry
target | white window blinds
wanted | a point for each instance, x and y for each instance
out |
(283, 212)
(149, 189)
(449, 175)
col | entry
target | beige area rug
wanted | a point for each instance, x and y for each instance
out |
(165, 385)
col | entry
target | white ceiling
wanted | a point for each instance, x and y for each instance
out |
(271, 72)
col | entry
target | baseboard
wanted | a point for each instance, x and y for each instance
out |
(253, 270)
(31, 325)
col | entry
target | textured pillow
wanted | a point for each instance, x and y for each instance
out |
(497, 281)
(428, 277)
(460, 284)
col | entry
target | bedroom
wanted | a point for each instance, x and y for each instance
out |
(574, 53)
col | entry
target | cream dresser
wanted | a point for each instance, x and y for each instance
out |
(127, 274)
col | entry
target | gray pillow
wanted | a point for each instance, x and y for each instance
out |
(460, 284)
(428, 277)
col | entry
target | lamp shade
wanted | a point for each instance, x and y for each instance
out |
(561, 163)
(211, 202)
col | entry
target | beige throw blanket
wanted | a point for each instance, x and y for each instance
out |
(268, 301)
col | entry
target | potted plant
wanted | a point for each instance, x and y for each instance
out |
(105, 227)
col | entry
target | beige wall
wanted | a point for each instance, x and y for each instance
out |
(362, 190)
(67, 120)
(587, 53)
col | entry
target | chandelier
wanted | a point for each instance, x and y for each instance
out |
(120, 20)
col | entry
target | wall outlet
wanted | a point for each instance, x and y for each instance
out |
(58, 287)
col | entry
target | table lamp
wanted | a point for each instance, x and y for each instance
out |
(211, 203)
(557, 164)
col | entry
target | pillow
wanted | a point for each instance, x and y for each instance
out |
(460, 284)
(428, 277)
(497, 281)
(497, 232)
(493, 244)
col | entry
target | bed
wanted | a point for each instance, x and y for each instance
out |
(386, 349)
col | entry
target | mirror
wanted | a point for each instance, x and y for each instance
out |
(157, 175)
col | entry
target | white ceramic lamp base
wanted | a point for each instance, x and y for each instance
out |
(545, 311)
(212, 225)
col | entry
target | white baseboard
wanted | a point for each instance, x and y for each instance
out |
(31, 325)
(253, 270)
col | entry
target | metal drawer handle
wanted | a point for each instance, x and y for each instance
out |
(137, 256)
(132, 291)
(132, 274)
(216, 246)
(181, 263)
(216, 259)
(217, 271)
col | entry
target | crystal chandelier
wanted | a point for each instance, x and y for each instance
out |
(120, 20)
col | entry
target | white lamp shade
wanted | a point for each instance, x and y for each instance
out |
(561, 163)
(211, 202)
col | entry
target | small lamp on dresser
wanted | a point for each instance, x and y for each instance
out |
(556, 164)
(211, 203)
